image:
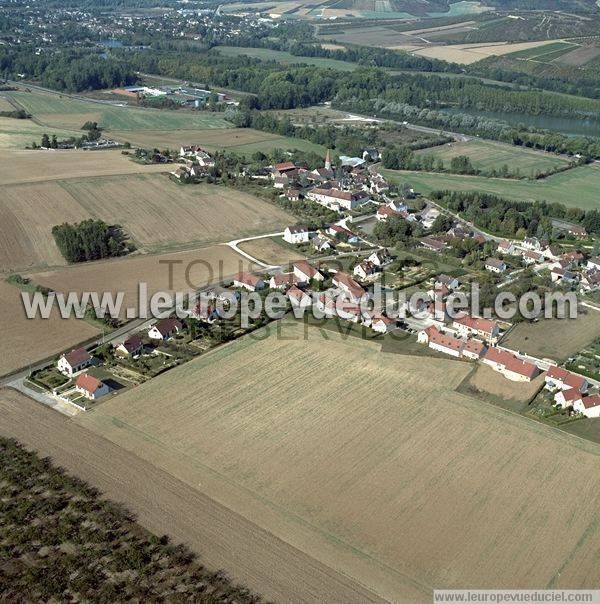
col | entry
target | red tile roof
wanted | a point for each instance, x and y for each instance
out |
(307, 269)
(88, 383)
(510, 362)
(447, 341)
(572, 380)
(591, 401)
(484, 325)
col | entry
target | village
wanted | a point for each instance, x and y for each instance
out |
(347, 262)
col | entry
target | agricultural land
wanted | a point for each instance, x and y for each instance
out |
(304, 463)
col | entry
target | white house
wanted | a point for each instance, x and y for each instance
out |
(380, 257)
(349, 286)
(320, 244)
(446, 280)
(509, 365)
(91, 387)
(333, 198)
(248, 281)
(484, 328)
(441, 342)
(164, 329)
(495, 266)
(562, 379)
(297, 234)
(283, 280)
(306, 272)
(131, 347)
(588, 405)
(532, 243)
(382, 324)
(298, 298)
(364, 269)
(74, 361)
(506, 247)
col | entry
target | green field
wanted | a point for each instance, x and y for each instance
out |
(266, 54)
(575, 188)
(544, 53)
(18, 134)
(60, 111)
(486, 156)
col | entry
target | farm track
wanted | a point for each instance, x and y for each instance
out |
(165, 505)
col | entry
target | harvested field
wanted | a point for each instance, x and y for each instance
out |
(28, 341)
(36, 166)
(486, 156)
(178, 271)
(580, 56)
(556, 339)
(243, 141)
(220, 536)
(384, 473)
(577, 188)
(5, 105)
(54, 110)
(271, 251)
(157, 213)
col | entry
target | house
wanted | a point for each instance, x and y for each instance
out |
(349, 286)
(297, 234)
(197, 171)
(446, 280)
(577, 231)
(484, 328)
(563, 276)
(131, 347)
(531, 257)
(590, 280)
(382, 324)
(205, 311)
(588, 405)
(552, 252)
(380, 257)
(331, 306)
(474, 349)
(428, 216)
(506, 247)
(335, 198)
(283, 168)
(384, 212)
(509, 365)
(567, 398)
(342, 233)
(305, 272)
(435, 244)
(74, 361)
(495, 266)
(283, 280)
(298, 298)
(379, 185)
(281, 182)
(572, 259)
(364, 269)
(201, 155)
(593, 264)
(562, 379)
(164, 329)
(91, 387)
(440, 341)
(248, 281)
(292, 194)
(532, 243)
(181, 173)
(320, 244)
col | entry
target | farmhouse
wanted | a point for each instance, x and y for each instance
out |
(474, 349)
(248, 281)
(305, 272)
(335, 198)
(435, 244)
(588, 405)
(297, 234)
(133, 346)
(202, 156)
(495, 266)
(484, 328)
(283, 168)
(164, 329)
(74, 361)
(364, 269)
(91, 387)
(509, 365)
(347, 284)
(382, 324)
(380, 257)
(441, 342)
(558, 377)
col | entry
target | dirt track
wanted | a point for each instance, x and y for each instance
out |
(165, 505)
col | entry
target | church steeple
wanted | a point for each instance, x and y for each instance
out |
(328, 161)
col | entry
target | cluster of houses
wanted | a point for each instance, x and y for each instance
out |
(187, 96)
(572, 391)
(321, 240)
(346, 187)
(197, 163)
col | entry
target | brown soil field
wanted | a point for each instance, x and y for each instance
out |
(19, 166)
(210, 139)
(579, 57)
(165, 505)
(174, 272)
(371, 463)
(555, 338)
(270, 251)
(155, 212)
(27, 341)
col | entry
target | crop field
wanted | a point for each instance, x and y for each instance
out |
(486, 156)
(157, 213)
(5, 105)
(579, 57)
(173, 272)
(61, 111)
(556, 339)
(545, 53)
(27, 166)
(27, 341)
(277, 430)
(271, 251)
(243, 141)
(18, 134)
(574, 188)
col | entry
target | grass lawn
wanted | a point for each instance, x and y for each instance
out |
(487, 156)
(60, 111)
(574, 188)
